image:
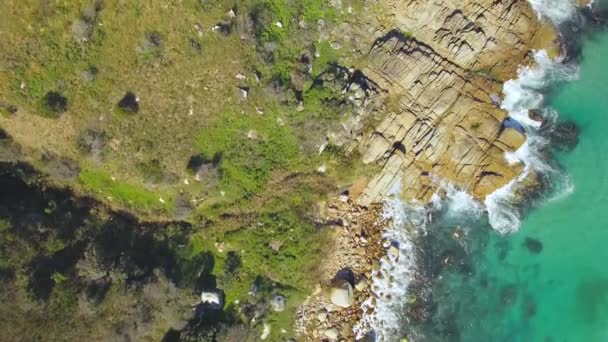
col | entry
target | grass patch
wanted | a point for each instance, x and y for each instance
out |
(130, 195)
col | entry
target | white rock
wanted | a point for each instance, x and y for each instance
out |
(279, 24)
(322, 315)
(277, 302)
(266, 331)
(240, 77)
(331, 333)
(212, 298)
(341, 294)
(322, 168)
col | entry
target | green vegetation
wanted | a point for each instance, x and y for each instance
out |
(126, 194)
(252, 195)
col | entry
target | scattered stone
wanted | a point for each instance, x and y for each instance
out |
(331, 333)
(336, 45)
(277, 303)
(341, 293)
(393, 252)
(322, 315)
(90, 74)
(279, 24)
(322, 168)
(240, 77)
(276, 245)
(252, 135)
(280, 122)
(244, 92)
(534, 246)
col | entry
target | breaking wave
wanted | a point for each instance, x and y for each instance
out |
(391, 281)
(522, 96)
(558, 11)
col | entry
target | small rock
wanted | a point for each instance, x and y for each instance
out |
(322, 315)
(361, 285)
(336, 45)
(244, 93)
(322, 168)
(331, 333)
(266, 331)
(393, 252)
(252, 135)
(300, 106)
(240, 77)
(277, 303)
(231, 14)
(279, 24)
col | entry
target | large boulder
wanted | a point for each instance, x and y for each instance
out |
(341, 294)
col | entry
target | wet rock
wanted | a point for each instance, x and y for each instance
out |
(341, 294)
(277, 303)
(565, 136)
(535, 115)
(129, 103)
(534, 246)
(55, 103)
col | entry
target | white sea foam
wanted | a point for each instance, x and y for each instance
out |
(558, 11)
(521, 95)
(391, 288)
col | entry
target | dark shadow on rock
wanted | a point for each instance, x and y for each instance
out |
(346, 274)
(129, 103)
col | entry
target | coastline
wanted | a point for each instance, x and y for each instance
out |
(529, 192)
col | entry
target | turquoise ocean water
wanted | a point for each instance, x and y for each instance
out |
(549, 280)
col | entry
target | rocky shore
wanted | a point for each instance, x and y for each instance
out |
(434, 104)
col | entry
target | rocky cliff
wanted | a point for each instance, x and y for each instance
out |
(436, 80)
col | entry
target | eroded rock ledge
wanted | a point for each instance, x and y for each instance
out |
(438, 78)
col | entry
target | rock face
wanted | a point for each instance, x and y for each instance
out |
(440, 72)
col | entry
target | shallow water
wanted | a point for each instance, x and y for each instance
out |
(549, 280)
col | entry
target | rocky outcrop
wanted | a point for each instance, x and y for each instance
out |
(439, 74)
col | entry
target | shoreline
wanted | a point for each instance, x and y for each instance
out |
(419, 289)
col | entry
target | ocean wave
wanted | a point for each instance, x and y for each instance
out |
(558, 11)
(521, 95)
(391, 281)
